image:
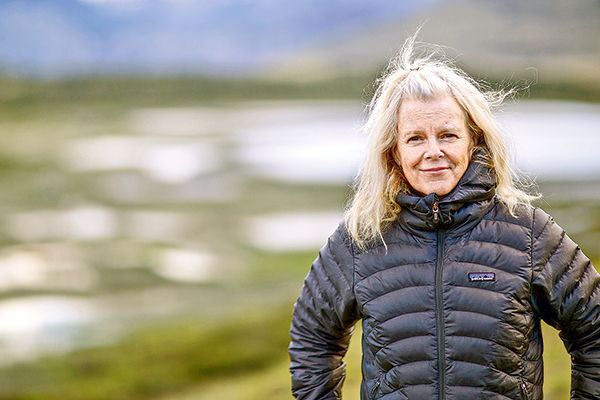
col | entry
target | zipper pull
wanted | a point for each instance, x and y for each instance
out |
(524, 389)
(374, 390)
(436, 213)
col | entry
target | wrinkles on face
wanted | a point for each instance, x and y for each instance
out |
(434, 144)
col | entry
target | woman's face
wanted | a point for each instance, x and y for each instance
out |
(434, 144)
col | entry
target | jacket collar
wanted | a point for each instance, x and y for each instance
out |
(462, 208)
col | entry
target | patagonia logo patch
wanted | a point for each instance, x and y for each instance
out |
(482, 277)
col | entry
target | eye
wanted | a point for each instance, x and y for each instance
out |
(449, 135)
(413, 139)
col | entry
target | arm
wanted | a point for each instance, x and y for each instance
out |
(323, 318)
(566, 294)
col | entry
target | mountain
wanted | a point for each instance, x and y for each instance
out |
(555, 39)
(61, 37)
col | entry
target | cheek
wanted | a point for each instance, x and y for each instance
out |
(462, 155)
(406, 157)
(399, 156)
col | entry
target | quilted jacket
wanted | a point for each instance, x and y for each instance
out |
(450, 302)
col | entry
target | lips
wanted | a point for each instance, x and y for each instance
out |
(435, 170)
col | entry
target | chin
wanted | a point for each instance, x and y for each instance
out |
(441, 187)
(440, 191)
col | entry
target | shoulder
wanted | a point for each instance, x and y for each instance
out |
(341, 236)
(525, 215)
(340, 245)
(519, 214)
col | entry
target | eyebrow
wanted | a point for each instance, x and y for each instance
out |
(445, 128)
(450, 127)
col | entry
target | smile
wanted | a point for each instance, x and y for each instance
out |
(435, 171)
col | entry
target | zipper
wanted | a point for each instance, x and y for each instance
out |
(436, 213)
(439, 306)
(374, 390)
(524, 390)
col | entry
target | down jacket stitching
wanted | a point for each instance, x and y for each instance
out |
(539, 270)
(572, 284)
(394, 291)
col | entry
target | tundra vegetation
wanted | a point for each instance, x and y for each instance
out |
(235, 345)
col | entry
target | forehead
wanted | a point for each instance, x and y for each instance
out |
(414, 113)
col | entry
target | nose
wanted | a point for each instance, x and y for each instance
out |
(434, 150)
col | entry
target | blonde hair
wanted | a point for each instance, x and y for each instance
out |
(374, 207)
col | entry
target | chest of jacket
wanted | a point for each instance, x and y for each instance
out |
(469, 292)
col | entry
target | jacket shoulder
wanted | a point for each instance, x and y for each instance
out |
(340, 240)
(521, 214)
(337, 255)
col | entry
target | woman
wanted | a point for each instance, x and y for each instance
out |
(444, 260)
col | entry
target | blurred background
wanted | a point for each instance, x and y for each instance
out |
(170, 168)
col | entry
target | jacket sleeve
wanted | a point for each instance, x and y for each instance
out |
(322, 322)
(566, 294)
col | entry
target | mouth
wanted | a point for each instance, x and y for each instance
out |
(435, 170)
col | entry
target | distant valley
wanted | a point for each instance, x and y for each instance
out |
(549, 40)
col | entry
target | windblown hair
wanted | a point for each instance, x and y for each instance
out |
(374, 207)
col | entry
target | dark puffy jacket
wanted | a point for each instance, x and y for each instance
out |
(450, 304)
